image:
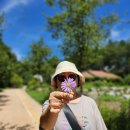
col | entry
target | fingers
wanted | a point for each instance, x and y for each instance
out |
(55, 105)
(58, 99)
(62, 95)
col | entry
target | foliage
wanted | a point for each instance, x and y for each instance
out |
(88, 85)
(39, 96)
(7, 61)
(1, 25)
(127, 79)
(99, 83)
(116, 57)
(109, 98)
(16, 80)
(23, 69)
(117, 120)
(38, 56)
(108, 116)
(40, 61)
(33, 84)
(80, 29)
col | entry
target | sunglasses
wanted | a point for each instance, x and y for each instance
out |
(62, 78)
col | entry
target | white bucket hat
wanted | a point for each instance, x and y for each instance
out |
(66, 66)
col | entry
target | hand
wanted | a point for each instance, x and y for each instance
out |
(57, 100)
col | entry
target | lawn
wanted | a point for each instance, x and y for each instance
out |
(39, 96)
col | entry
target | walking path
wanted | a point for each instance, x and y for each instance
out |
(18, 111)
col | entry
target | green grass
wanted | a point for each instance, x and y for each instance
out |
(104, 83)
(88, 85)
(109, 98)
(39, 96)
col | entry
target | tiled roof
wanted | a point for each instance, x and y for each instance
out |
(99, 74)
(87, 75)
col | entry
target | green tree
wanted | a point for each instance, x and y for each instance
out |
(41, 61)
(116, 57)
(24, 70)
(49, 68)
(94, 59)
(7, 61)
(38, 56)
(1, 25)
(16, 80)
(80, 29)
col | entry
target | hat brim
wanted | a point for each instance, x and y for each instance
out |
(82, 79)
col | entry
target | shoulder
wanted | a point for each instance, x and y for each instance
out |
(46, 102)
(88, 100)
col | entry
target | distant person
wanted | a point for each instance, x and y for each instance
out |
(66, 109)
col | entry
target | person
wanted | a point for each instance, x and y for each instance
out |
(66, 79)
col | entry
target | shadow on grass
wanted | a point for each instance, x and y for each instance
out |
(8, 126)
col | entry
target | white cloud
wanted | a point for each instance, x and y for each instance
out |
(18, 54)
(12, 4)
(119, 34)
(115, 34)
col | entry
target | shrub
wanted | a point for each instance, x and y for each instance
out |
(34, 84)
(109, 116)
(117, 120)
(88, 85)
(97, 83)
(109, 98)
(127, 79)
(16, 80)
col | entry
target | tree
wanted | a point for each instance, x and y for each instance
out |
(116, 57)
(49, 67)
(16, 80)
(24, 70)
(78, 26)
(38, 56)
(7, 59)
(40, 60)
(1, 25)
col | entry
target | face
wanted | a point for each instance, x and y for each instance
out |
(61, 78)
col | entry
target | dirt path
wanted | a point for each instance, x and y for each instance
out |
(18, 111)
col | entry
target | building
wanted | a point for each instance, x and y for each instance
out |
(91, 74)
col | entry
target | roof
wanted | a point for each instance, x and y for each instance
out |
(99, 74)
(87, 75)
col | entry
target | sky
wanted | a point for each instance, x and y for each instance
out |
(25, 23)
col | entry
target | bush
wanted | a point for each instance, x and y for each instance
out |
(109, 116)
(97, 83)
(88, 85)
(16, 80)
(117, 120)
(127, 79)
(109, 98)
(34, 84)
(102, 83)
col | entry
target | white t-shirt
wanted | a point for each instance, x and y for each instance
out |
(86, 112)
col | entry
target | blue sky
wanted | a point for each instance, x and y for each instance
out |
(24, 24)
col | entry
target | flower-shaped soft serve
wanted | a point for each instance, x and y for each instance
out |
(68, 85)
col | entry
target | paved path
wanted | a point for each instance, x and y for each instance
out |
(18, 111)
